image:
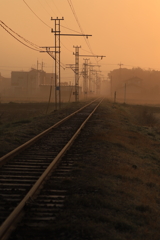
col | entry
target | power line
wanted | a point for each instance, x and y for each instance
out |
(49, 6)
(65, 47)
(48, 14)
(70, 29)
(18, 39)
(62, 25)
(75, 15)
(37, 48)
(36, 14)
(45, 23)
(48, 25)
(57, 8)
(85, 50)
(33, 44)
(44, 8)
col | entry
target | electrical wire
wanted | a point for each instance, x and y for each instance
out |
(86, 40)
(33, 44)
(44, 7)
(49, 6)
(36, 47)
(36, 14)
(47, 24)
(61, 64)
(57, 7)
(66, 47)
(85, 50)
(75, 15)
(70, 29)
(18, 39)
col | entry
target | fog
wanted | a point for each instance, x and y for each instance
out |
(125, 32)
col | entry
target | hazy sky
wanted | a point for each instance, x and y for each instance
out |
(125, 31)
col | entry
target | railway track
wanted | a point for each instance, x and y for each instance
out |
(31, 176)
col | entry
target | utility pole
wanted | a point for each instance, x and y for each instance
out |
(76, 73)
(125, 93)
(111, 87)
(57, 60)
(42, 65)
(91, 71)
(75, 69)
(120, 64)
(90, 85)
(85, 77)
(97, 80)
(86, 69)
(97, 83)
(56, 56)
(85, 82)
(39, 75)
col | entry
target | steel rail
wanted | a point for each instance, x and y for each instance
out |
(36, 138)
(15, 213)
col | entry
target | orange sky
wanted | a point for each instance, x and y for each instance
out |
(125, 31)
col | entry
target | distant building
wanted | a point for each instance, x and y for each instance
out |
(5, 87)
(136, 85)
(31, 79)
(4, 83)
(49, 79)
(34, 86)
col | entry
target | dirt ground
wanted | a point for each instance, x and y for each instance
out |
(114, 190)
(19, 122)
